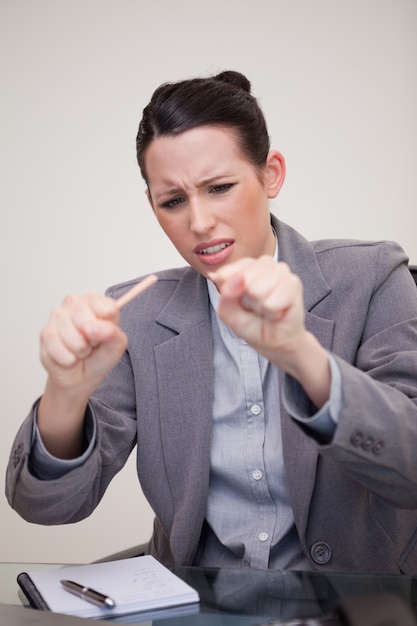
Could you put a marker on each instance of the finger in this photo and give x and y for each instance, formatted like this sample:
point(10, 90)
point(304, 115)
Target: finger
point(252, 304)
point(81, 321)
point(74, 328)
point(98, 331)
point(62, 338)
point(252, 270)
point(54, 351)
point(226, 273)
point(265, 289)
point(98, 306)
point(252, 285)
point(234, 287)
point(288, 293)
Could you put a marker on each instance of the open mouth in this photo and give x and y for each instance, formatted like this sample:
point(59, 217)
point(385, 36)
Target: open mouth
point(214, 249)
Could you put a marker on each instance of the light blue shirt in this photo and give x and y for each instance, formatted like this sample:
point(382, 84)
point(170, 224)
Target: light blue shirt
point(248, 510)
point(249, 519)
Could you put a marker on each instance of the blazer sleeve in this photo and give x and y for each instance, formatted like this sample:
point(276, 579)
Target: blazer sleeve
point(74, 495)
point(375, 439)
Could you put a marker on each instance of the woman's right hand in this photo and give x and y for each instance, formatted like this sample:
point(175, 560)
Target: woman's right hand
point(80, 345)
point(82, 342)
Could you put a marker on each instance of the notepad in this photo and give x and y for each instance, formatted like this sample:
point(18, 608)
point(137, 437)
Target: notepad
point(140, 584)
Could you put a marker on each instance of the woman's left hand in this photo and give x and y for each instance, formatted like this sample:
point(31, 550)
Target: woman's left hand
point(262, 302)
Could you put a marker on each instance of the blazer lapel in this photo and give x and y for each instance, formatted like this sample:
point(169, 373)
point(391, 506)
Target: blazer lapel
point(301, 453)
point(185, 383)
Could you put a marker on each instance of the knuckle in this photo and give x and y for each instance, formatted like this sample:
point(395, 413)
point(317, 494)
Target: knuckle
point(47, 333)
point(69, 299)
point(298, 284)
point(284, 266)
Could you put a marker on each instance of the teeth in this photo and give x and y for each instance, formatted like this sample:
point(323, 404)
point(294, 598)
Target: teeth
point(214, 249)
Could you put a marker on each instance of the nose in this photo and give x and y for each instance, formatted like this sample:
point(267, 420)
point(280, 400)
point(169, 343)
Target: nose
point(202, 219)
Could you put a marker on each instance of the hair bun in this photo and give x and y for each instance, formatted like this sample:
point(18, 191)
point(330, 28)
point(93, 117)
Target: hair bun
point(234, 78)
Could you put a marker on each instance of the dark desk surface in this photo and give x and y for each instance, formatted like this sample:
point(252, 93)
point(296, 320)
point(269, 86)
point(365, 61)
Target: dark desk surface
point(250, 597)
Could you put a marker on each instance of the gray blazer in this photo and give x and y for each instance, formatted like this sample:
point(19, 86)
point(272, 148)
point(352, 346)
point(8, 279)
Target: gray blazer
point(354, 499)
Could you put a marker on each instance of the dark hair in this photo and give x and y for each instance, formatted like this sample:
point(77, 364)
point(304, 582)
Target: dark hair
point(222, 100)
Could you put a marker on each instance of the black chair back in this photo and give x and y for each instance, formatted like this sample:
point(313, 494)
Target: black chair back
point(413, 270)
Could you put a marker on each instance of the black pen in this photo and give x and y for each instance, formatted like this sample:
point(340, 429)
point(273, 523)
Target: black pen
point(90, 595)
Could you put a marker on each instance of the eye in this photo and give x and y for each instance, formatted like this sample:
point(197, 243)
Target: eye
point(171, 204)
point(221, 188)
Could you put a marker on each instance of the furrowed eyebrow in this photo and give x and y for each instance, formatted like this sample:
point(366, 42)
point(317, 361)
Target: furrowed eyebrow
point(213, 179)
point(170, 192)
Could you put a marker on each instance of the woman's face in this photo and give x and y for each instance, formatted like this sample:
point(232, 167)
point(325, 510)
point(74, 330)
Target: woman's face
point(209, 199)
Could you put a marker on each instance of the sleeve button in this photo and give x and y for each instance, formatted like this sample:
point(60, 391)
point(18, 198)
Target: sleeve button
point(378, 447)
point(368, 443)
point(17, 455)
point(356, 438)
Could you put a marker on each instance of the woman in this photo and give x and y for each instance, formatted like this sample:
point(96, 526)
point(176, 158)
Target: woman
point(270, 387)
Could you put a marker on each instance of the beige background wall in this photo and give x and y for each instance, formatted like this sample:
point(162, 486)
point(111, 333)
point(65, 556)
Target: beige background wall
point(337, 81)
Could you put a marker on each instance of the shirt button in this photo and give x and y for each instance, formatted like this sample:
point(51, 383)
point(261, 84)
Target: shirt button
point(257, 474)
point(263, 536)
point(255, 409)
